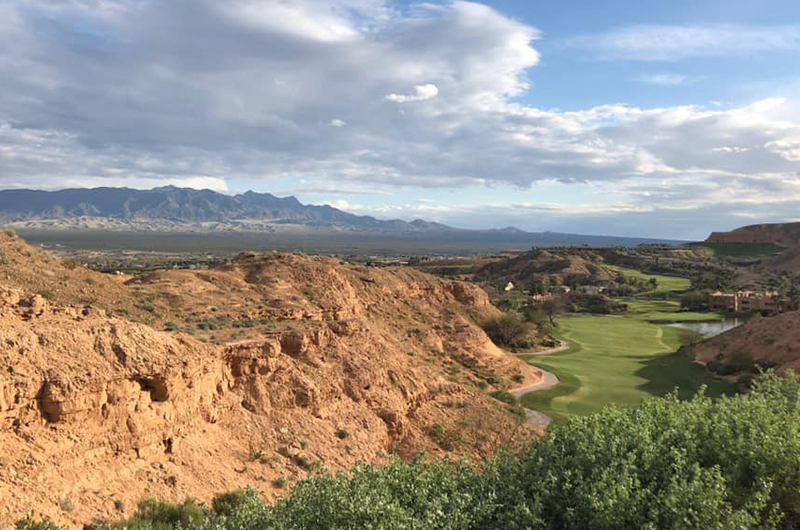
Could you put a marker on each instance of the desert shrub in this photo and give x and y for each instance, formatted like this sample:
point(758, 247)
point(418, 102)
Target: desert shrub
point(506, 330)
point(171, 326)
point(518, 378)
point(342, 434)
point(746, 380)
point(504, 396)
point(31, 524)
point(152, 514)
point(213, 323)
point(235, 501)
point(47, 294)
point(447, 439)
point(713, 365)
point(70, 263)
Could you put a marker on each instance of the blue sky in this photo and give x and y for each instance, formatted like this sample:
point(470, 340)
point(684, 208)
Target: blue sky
point(628, 118)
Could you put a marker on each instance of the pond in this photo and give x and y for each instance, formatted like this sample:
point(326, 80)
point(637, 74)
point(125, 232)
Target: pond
point(708, 328)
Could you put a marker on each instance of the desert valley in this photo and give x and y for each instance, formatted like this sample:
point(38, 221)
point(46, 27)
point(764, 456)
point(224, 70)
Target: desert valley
point(399, 265)
point(187, 379)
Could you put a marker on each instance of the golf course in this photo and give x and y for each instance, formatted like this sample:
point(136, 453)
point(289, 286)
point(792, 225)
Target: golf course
point(623, 359)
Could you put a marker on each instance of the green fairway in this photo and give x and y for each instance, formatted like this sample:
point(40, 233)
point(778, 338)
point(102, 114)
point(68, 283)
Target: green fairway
point(739, 250)
point(661, 310)
point(623, 359)
point(666, 284)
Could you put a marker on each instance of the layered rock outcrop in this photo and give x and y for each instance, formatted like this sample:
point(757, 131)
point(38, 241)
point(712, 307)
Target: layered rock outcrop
point(350, 363)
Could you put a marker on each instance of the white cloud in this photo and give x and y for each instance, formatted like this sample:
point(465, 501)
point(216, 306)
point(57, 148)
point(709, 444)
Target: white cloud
point(666, 79)
point(146, 93)
point(341, 204)
point(664, 42)
point(421, 93)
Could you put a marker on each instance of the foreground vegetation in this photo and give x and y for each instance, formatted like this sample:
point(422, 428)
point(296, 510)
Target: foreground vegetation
point(703, 464)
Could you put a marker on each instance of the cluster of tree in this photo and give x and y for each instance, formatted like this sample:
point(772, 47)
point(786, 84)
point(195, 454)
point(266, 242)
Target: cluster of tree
point(624, 286)
point(713, 280)
point(694, 300)
point(541, 313)
point(699, 464)
point(594, 303)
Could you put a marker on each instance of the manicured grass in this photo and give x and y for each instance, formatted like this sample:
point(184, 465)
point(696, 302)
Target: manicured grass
point(623, 359)
point(616, 359)
point(659, 310)
point(665, 283)
point(739, 250)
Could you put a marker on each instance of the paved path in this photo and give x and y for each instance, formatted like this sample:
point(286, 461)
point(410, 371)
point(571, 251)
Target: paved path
point(562, 346)
point(549, 380)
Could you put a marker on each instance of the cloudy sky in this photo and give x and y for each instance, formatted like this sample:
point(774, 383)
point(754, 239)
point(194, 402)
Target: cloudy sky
point(623, 117)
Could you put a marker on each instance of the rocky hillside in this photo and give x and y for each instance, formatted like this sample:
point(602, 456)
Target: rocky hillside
point(553, 267)
point(275, 362)
point(784, 234)
point(760, 342)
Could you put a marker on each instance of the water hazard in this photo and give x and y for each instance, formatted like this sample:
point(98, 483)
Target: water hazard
point(708, 328)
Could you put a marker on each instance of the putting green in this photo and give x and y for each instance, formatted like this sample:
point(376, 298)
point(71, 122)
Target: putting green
point(622, 359)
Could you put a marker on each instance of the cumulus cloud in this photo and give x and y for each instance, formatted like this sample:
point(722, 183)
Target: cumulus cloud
point(672, 42)
point(195, 92)
point(421, 93)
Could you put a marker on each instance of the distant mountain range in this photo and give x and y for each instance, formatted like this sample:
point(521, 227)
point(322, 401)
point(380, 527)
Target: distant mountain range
point(170, 209)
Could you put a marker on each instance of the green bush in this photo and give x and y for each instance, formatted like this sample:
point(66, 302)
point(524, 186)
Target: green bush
point(70, 263)
point(701, 464)
point(447, 439)
point(30, 524)
point(235, 501)
point(153, 514)
point(504, 396)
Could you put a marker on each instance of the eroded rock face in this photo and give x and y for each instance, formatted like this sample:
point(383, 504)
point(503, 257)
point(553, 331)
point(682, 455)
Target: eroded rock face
point(95, 408)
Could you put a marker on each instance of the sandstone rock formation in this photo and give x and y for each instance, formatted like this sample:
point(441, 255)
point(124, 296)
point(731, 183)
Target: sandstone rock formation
point(331, 362)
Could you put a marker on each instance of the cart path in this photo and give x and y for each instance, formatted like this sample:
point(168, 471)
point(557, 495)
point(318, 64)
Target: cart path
point(549, 380)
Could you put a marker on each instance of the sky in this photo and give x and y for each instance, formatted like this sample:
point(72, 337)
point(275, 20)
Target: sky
point(662, 119)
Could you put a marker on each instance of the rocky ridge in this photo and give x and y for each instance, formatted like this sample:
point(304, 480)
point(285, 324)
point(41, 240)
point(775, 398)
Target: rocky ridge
point(98, 411)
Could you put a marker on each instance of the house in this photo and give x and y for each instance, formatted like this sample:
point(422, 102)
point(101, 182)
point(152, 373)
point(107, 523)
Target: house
point(590, 289)
point(750, 302)
point(719, 301)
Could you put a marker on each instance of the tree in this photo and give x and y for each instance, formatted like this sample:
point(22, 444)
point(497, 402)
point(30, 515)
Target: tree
point(694, 301)
point(552, 307)
point(507, 330)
